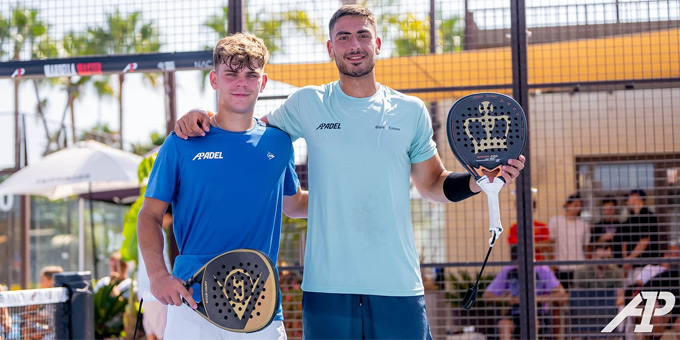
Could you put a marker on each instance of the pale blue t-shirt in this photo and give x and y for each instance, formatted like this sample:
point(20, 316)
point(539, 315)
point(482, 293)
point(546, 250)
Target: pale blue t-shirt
point(360, 236)
point(226, 191)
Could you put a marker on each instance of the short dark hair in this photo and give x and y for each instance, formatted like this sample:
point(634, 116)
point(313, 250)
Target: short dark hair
point(604, 245)
point(351, 10)
point(609, 199)
point(572, 198)
point(638, 192)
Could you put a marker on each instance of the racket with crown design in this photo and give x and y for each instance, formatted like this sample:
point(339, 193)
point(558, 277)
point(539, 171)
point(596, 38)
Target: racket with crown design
point(485, 131)
point(239, 290)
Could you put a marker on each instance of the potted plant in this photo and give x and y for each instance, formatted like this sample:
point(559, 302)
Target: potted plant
point(109, 306)
point(483, 315)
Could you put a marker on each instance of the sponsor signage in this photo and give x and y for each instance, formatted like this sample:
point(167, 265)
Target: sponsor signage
point(88, 66)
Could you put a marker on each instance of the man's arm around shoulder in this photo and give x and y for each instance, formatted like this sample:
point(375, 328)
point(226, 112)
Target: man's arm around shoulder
point(193, 124)
point(295, 206)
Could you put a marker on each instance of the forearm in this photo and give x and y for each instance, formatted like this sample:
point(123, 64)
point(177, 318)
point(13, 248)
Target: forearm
point(558, 294)
point(620, 297)
point(296, 206)
point(503, 298)
point(436, 184)
point(449, 187)
point(151, 243)
point(6, 319)
point(639, 248)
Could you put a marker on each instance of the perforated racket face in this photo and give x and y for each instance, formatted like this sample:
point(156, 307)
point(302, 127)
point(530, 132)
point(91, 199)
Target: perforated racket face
point(240, 291)
point(485, 130)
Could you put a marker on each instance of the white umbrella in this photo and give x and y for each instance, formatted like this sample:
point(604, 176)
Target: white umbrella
point(86, 167)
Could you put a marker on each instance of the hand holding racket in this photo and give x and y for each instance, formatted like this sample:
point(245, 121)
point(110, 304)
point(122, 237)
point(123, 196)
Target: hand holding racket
point(485, 131)
point(239, 291)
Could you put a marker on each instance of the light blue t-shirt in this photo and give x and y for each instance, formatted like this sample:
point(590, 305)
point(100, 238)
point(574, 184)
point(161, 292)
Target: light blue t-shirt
point(360, 236)
point(226, 192)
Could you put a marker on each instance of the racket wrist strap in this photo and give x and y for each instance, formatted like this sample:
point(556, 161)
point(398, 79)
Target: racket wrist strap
point(457, 186)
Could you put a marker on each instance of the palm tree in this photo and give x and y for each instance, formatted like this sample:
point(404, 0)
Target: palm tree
point(101, 133)
point(126, 35)
point(4, 35)
point(451, 34)
point(266, 26)
point(73, 44)
point(413, 35)
point(29, 34)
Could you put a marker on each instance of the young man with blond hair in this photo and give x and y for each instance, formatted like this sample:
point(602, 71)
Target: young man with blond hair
point(227, 191)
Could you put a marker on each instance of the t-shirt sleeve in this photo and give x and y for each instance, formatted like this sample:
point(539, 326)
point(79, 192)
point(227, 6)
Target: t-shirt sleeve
point(164, 178)
point(422, 147)
point(547, 281)
point(291, 183)
point(287, 116)
point(499, 285)
point(552, 228)
point(580, 277)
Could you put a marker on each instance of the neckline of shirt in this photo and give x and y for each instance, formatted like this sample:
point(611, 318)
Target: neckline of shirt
point(257, 123)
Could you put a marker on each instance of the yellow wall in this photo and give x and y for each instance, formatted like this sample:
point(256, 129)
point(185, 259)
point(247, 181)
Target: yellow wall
point(634, 56)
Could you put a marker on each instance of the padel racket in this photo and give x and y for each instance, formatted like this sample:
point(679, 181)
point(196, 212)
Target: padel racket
point(485, 130)
point(239, 290)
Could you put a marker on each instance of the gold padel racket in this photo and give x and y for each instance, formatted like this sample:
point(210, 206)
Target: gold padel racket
point(239, 290)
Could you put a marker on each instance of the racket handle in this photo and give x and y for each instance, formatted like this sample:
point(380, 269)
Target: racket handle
point(491, 189)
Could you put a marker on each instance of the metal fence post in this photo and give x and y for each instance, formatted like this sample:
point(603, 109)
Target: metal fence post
point(75, 318)
point(525, 224)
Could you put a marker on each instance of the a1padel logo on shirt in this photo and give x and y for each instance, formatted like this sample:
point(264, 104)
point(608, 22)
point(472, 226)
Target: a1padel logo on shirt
point(208, 155)
point(328, 126)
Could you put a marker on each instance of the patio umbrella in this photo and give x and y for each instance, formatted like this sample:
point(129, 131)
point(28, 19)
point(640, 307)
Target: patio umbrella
point(86, 167)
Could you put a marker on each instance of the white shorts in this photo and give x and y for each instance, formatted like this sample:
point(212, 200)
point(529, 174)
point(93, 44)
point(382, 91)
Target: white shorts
point(183, 323)
point(155, 314)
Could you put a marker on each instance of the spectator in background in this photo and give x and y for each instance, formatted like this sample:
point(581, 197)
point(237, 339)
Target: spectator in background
point(640, 233)
point(669, 281)
point(569, 235)
point(657, 277)
point(5, 318)
point(117, 275)
point(47, 276)
point(542, 246)
point(38, 321)
point(608, 229)
point(505, 288)
point(599, 275)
